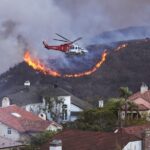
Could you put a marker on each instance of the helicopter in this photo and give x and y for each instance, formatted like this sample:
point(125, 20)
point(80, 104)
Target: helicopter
point(69, 47)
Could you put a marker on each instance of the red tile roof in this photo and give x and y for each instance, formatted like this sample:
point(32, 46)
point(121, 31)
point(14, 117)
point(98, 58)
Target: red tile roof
point(89, 140)
point(142, 107)
point(22, 120)
point(145, 96)
point(141, 99)
point(136, 130)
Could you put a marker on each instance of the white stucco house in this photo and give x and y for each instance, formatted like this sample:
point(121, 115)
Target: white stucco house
point(68, 110)
point(8, 144)
point(133, 145)
point(18, 124)
point(32, 98)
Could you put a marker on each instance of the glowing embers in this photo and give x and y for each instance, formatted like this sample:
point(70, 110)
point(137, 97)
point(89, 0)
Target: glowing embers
point(121, 47)
point(38, 65)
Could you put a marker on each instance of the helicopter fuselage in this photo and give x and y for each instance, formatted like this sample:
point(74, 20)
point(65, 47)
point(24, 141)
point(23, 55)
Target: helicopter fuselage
point(67, 48)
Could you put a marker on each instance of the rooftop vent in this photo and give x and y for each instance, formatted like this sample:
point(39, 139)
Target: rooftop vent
point(5, 102)
point(42, 116)
point(27, 83)
point(116, 131)
point(100, 103)
point(16, 114)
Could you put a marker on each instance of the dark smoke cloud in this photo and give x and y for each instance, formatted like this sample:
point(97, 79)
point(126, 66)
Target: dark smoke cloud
point(25, 24)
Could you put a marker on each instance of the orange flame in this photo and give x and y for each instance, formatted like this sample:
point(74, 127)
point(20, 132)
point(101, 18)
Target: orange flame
point(121, 46)
point(38, 65)
point(90, 71)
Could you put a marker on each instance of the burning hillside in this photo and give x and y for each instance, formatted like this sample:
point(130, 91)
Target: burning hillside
point(126, 66)
point(38, 65)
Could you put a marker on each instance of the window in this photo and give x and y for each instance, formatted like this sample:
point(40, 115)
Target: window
point(9, 130)
point(64, 112)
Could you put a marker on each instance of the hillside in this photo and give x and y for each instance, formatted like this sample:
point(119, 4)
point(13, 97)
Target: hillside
point(130, 33)
point(127, 67)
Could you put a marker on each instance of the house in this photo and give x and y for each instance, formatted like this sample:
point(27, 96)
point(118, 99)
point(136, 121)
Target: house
point(18, 124)
point(32, 98)
point(8, 144)
point(90, 140)
point(142, 132)
point(129, 138)
point(72, 105)
point(142, 100)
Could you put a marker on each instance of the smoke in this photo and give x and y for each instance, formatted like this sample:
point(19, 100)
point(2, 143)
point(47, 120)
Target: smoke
point(25, 24)
point(101, 15)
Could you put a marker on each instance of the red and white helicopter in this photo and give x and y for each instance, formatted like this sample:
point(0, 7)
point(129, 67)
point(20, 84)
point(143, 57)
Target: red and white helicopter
point(68, 47)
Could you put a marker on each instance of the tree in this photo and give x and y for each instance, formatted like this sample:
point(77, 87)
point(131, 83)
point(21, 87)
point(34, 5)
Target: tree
point(53, 105)
point(98, 119)
point(38, 140)
point(115, 105)
point(125, 93)
point(106, 118)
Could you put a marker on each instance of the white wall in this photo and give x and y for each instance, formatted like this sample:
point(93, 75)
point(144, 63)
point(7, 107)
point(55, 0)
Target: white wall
point(38, 108)
point(3, 132)
point(67, 101)
point(135, 145)
point(75, 108)
point(55, 148)
point(73, 118)
point(53, 128)
point(34, 108)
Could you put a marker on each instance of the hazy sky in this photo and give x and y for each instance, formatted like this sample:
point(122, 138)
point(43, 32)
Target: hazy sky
point(24, 24)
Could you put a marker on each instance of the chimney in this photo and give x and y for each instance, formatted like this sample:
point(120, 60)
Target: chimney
point(42, 116)
point(146, 139)
point(100, 103)
point(27, 83)
point(5, 102)
point(56, 145)
point(144, 88)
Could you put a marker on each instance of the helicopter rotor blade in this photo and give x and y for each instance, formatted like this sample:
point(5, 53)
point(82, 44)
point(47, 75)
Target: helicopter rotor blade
point(76, 40)
point(63, 37)
point(60, 40)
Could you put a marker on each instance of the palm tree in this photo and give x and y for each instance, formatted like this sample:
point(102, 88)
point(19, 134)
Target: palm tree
point(125, 93)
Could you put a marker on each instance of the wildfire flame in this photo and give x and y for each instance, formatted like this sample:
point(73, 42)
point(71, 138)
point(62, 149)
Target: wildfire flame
point(90, 71)
point(121, 47)
point(38, 65)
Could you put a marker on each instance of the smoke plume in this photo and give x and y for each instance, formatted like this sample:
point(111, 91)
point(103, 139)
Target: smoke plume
point(25, 24)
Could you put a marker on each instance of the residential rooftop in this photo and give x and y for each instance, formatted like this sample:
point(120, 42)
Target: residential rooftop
point(90, 140)
point(22, 120)
point(21, 95)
